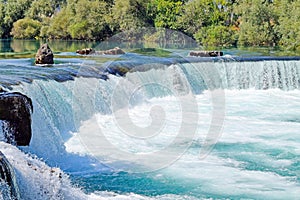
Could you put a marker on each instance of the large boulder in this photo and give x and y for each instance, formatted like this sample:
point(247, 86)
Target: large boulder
point(206, 53)
point(44, 55)
point(8, 184)
point(15, 111)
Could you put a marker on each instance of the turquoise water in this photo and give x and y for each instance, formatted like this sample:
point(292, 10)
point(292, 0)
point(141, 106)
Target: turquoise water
point(172, 128)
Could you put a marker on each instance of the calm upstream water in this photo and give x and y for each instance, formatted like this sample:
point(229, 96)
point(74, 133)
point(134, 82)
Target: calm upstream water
point(175, 127)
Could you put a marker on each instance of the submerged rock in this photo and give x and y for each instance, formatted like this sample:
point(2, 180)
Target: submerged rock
point(86, 51)
point(206, 53)
point(114, 51)
point(8, 184)
point(15, 111)
point(44, 55)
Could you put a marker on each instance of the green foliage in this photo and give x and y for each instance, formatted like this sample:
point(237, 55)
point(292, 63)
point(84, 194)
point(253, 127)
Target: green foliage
point(258, 23)
point(2, 15)
point(289, 28)
point(58, 28)
point(211, 23)
point(208, 22)
point(90, 20)
point(218, 35)
point(14, 10)
point(165, 12)
point(41, 9)
point(26, 29)
point(130, 15)
point(80, 19)
point(80, 30)
point(194, 16)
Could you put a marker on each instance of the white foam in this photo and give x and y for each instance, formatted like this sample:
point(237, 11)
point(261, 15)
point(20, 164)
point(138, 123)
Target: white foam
point(253, 117)
point(36, 180)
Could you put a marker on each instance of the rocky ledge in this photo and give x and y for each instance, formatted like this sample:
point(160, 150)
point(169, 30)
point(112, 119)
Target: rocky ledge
point(88, 51)
point(206, 53)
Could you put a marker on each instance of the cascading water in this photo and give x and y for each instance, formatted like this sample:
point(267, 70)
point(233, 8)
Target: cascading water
point(65, 112)
point(261, 75)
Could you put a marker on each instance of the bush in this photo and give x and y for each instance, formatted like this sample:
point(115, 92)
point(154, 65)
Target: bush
point(289, 28)
point(215, 36)
point(258, 23)
point(26, 29)
point(58, 27)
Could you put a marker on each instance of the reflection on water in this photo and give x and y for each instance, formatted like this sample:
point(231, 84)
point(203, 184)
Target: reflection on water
point(31, 46)
point(27, 48)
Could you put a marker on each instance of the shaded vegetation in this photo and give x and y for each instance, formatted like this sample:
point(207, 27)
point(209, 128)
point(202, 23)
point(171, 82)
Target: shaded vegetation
point(210, 22)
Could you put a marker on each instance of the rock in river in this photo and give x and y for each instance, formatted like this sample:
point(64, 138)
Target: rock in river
point(114, 51)
point(206, 53)
point(15, 111)
point(44, 55)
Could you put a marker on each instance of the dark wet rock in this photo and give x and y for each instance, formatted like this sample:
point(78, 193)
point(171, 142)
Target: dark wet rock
point(117, 70)
point(15, 111)
point(206, 53)
point(44, 55)
point(88, 51)
point(2, 90)
point(8, 184)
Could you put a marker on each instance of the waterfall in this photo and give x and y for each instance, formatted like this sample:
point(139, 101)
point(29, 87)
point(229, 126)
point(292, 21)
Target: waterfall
point(60, 107)
point(284, 75)
point(63, 105)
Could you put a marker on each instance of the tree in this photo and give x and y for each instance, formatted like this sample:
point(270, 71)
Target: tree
point(209, 22)
point(41, 9)
point(58, 28)
point(194, 16)
point(258, 23)
point(14, 10)
point(2, 15)
point(289, 28)
point(80, 19)
point(130, 15)
point(89, 20)
point(215, 35)
point(26, 29)
point(166, 12)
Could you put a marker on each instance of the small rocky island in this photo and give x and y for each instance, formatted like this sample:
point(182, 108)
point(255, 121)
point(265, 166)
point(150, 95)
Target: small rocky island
point(44, 55)
point(88, 51)
point(206, 53)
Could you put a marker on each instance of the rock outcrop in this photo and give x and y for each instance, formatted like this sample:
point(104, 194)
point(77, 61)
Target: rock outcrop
point(206, 53)
point(88, 51)
point(8, 185)
point(15, 111)
point(44, 55)
point(114, 51)
point(85, 51)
